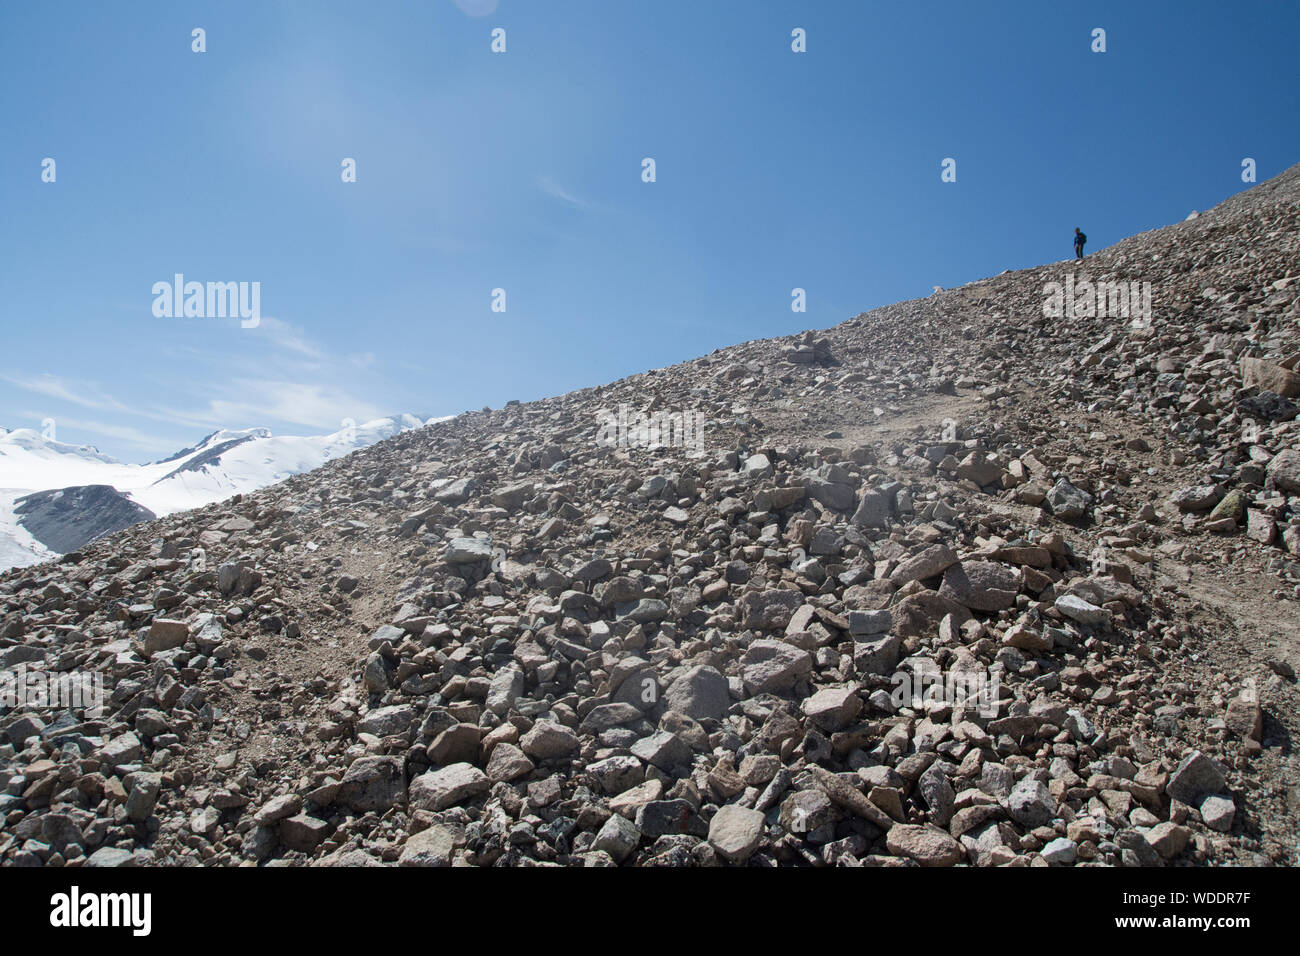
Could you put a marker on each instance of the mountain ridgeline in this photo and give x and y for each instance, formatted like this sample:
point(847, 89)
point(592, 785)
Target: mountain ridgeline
point(51, 474)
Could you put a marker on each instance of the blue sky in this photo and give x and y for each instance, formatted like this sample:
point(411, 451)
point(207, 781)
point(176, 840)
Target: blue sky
point(522, 171)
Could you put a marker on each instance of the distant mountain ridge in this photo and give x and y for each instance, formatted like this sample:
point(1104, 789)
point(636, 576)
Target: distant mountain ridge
point(213, 439)
point(55, 497)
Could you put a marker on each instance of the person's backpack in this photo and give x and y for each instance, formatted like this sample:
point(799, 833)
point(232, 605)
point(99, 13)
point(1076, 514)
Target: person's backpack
point(1080, 239)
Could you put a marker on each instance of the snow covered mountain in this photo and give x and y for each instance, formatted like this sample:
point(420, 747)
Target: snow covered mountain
point(102, 495)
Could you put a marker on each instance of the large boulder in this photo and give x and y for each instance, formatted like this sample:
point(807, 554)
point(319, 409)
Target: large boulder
point(918, 615)
point(773, 666)
point(978, 468)
point(448, 786)
point(1068, 502)
point(874, 509)
point(372, 783)
point(701, 692)
point(1269, 377)
point(548, 740)
point(468, 550)
point(1195, 778)
point(1030, 803)
point(164, 634)
point(769, 610)
point(928, 846)
point(981, 585)
point(930, 562)
point(736, 832)
point(1284, 469)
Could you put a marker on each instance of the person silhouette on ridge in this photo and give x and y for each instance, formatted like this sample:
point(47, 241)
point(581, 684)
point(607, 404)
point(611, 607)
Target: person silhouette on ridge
point(1079, 240)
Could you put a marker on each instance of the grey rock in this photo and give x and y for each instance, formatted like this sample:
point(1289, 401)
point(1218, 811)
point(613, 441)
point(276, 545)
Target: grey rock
point(1195, 777)
point(937, 792)
point(928, 846)
point(372, 783)
point(1218, 812)
point(771, 666)
point(663, 750)
point(1030, 803)
point(770, 609)
point(111, 856)
point(387, 721)
point(736, 832)
point(447, 786)
point(468, 551)
point(1061, 851)
point(933, 561)
point(618, 837)
point(547, 740)
point(701, 692)
point(431, 847)
point(981, 585)
point(143, 795)
point(1068, 502)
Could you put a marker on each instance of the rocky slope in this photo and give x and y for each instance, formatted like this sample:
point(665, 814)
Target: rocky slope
point(499, 641)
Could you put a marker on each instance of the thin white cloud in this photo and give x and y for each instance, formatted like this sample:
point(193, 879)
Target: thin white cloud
point(123, 433)
point(314, 405)
point(288, 337)
point(476, 8)
point(278, 377)
point(89, 396)
point(556, 191)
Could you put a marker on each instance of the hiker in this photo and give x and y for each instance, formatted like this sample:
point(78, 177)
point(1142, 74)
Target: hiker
point(1079, 240)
